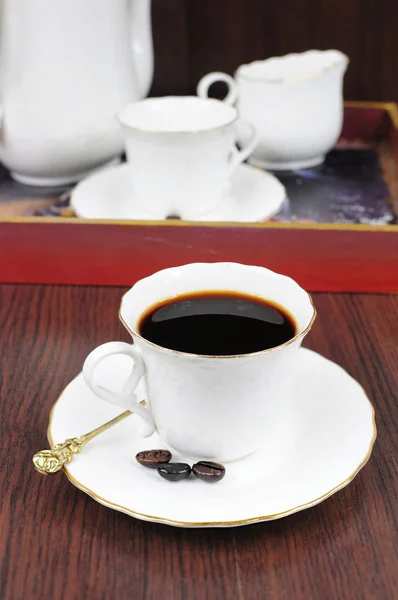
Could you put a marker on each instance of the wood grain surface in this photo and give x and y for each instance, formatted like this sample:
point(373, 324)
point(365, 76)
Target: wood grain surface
point(194, 37)
point(58, 543)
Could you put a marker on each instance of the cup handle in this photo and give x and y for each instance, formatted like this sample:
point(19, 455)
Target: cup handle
point(239, 156)
point(126, 398)
point(208, 80)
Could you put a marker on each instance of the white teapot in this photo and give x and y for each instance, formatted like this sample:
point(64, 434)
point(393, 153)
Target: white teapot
point(67, 67)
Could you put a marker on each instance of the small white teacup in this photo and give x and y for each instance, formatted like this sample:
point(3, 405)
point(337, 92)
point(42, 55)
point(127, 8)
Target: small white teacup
point(295, 102)
point(183, 151)
point(216, 407)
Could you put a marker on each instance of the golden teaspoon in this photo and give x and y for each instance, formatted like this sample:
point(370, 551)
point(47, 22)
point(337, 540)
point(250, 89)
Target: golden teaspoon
point(48, 462)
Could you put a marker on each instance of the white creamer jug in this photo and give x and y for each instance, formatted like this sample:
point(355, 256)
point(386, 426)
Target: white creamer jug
point(66, 69)
point(295, 102)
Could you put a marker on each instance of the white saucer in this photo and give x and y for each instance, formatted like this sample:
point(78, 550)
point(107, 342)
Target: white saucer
point(310, 453)
point(254, 195)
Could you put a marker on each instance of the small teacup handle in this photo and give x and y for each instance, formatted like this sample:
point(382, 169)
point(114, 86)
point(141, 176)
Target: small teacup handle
point(126, 398)
point(208, 80)
point(238, 156)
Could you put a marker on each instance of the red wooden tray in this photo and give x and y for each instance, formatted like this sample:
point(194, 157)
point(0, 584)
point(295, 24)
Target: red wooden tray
point(321, 257)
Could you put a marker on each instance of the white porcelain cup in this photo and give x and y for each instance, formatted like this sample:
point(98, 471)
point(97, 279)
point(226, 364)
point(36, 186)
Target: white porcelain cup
point(295, 102)
point(214, 407)
point(183, 151)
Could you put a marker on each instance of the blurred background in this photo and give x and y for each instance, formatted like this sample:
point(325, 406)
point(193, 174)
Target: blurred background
point(193, 37)
point(358, 182)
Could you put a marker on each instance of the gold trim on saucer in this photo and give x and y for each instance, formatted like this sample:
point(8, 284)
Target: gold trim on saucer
point(193, 524)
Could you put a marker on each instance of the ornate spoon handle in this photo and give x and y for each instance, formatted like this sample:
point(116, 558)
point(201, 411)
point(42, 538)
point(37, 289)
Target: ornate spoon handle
point(51, 461)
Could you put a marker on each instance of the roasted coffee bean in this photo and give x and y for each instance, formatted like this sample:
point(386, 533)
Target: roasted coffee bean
point(208, 471)
point(153, 458)
point(174, 471)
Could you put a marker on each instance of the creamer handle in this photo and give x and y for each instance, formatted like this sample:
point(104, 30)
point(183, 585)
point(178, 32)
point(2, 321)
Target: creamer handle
point(208, 80)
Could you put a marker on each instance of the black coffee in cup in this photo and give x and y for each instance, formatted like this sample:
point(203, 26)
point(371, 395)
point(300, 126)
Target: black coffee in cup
point(217, 323)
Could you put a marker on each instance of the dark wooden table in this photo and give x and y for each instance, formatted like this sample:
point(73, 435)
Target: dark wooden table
point(57, 543)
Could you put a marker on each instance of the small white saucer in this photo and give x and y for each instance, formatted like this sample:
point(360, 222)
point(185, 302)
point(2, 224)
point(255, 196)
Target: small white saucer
point(254, 195)
point(312, 451)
